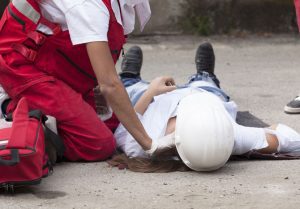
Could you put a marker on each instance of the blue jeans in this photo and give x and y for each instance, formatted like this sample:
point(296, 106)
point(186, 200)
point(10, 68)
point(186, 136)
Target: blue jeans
point(136, 86)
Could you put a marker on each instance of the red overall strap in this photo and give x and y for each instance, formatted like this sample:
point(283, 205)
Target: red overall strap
point(26, 52)
point(116, 37)
point(30, 9)
point(20, 125)
point(37, 37)
point(27, 13)
point(56, 29)
point(297, 5)
point(111, 12)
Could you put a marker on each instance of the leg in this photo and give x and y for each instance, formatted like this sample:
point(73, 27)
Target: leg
point(247, 139)
point(131, 74)
point(205, 77)
point(85, 136)
point(131, 66)
point(288, 139)
point(276, 139)
point(205, 63)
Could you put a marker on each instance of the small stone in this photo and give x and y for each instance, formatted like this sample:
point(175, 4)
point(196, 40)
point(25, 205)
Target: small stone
point(286, 178)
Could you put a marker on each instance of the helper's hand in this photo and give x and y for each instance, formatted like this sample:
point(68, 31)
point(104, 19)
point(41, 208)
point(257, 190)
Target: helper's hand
point(162, 145)
point(161, 85)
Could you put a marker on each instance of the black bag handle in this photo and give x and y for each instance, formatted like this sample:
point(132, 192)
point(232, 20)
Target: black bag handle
point(15, 158)
point(37, 114)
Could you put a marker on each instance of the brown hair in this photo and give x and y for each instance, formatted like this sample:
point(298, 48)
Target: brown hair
point(145, 165)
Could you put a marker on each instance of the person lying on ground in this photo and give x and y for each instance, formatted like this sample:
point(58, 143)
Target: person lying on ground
point(209, 128)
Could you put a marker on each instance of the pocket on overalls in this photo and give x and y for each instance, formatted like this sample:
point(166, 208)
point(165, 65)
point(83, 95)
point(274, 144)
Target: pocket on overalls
point(14, 59)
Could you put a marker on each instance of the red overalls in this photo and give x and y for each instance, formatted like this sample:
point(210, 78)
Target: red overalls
point(56, 77)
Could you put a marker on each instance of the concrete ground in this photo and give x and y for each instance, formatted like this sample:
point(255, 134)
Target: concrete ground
point(260, 74)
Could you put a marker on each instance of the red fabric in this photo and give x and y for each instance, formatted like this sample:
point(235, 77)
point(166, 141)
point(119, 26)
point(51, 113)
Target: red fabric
point(30, 143)
point(297, 5)
point(85, 136)
point(59, 82)
point(112, 123)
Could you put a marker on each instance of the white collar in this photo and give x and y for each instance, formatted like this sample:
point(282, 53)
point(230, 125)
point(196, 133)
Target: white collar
point(129, 9)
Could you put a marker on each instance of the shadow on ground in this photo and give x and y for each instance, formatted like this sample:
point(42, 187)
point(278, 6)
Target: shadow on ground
point(245, 118)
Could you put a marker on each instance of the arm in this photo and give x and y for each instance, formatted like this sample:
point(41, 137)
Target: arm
point(158, 86)
point(143, 103)
point(114, 92)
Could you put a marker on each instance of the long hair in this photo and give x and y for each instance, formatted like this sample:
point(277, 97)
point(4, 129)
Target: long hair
point(145, 165)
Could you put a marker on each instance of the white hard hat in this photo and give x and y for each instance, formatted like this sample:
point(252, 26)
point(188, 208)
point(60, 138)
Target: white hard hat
point(204, 132)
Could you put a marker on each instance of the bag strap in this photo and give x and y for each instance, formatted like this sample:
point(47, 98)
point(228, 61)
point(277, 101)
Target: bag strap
point(20, 125)
point(15, 158)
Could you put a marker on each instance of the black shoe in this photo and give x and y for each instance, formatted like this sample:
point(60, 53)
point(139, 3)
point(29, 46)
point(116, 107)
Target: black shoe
point(205, 58)
point(132, 63)
point(293, 107)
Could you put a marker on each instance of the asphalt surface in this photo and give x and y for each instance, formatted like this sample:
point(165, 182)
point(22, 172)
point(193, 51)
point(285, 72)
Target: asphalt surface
point(260, 73)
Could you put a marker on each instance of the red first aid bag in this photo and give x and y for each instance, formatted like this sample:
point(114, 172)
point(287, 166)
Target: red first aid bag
point(23, 160)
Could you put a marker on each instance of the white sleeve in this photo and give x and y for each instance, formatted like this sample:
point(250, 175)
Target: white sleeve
point(88, 22)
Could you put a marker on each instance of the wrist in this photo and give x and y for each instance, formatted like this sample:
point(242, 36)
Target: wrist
point(151, 93)
point(152, 148)
point(147, 144)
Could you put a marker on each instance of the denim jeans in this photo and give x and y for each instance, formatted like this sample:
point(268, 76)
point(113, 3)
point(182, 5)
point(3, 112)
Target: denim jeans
point(136, 86)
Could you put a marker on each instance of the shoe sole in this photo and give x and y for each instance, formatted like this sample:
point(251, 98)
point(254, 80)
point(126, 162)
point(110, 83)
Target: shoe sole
point(290, 110)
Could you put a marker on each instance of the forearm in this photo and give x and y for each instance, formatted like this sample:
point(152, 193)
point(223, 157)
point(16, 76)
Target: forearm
point(143, 103)
point(118, 100)
point(114, 92)
point(159, 85)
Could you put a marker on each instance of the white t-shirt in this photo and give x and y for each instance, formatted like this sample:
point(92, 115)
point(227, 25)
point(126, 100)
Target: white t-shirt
point(156, 118)
point(86, 20)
